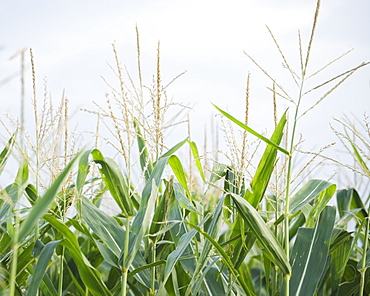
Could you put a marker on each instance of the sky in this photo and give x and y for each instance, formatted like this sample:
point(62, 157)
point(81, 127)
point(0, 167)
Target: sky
point(72, 46)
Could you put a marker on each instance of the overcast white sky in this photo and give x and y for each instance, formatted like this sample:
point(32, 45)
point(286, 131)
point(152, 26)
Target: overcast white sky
point(72, 41)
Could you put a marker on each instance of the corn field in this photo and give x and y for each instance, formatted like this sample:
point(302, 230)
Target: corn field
point(148, 219)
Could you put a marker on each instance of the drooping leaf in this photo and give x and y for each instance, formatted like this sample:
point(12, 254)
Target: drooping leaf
point(307, 193)
point(264, 235)
point(349, 199)
point(116, 183)
point(218, 172)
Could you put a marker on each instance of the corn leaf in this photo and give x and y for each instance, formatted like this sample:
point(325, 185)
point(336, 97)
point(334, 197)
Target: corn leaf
point(226, 259)
point(175, 256)
point(104, 226)
point(83, 170)
point(194, 151)
point(179, 172)
point(265, 167)
point(41, 206)
point(182, 199)
point(264, 235)
point(116, 183)
point(309, 254)
point(161, 212)
point(89, 275)
point(174, 148)
point(5, 153)
point(147, 208)
point(319, 203)
point(145, 163)
point(248, 129)
point(308, 192)
point(41, 266)
point(213, 230)
point(338, 261)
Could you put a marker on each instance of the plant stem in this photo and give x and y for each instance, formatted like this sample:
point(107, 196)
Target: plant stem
point(13, 270)
point(287, 192)
point(152, 292)
point(363, 267)
point(125, 253)
point(60, 284)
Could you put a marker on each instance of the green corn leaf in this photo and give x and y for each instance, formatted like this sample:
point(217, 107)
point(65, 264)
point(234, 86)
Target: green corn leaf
point(107, 254)
point(182, 199)
point(248, 129)
point(156, 175)
point(213, 280)
point(338, 261)
point(213, 230)
point(145, 222)
point(41, 206)
point(179, 172)
point(89, 275)
point(5, 153)
point(175, 256)
point(104, 226)
point(264, 235)
point(41, 266)
point(116, 183)
point(194, 151)
point(266, 166)
point(31, 194)
point(174, 148)
point(226, 259)
point(218, 171)
point(83, 170)
point(144, 267)
point(309, 254)
point(10, 196)
point(145, 163)
point(349, 199)
point(308, 192)
point(319, 203)
point(161, 211)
